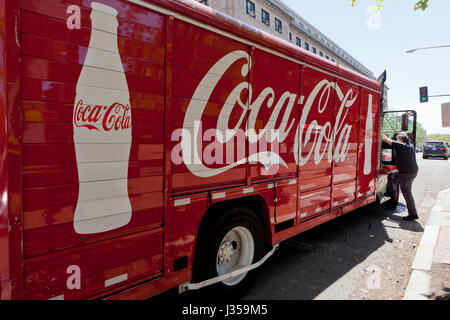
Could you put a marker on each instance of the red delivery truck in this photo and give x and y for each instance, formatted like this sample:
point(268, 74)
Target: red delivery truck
point(153, 144)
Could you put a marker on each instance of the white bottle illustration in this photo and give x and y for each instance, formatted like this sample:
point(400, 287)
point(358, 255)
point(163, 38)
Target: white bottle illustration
point(102, 130)
point(368, 139)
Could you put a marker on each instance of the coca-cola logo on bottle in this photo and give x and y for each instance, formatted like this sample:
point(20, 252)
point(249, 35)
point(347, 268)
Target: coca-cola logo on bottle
point(102, 118)
point(114, 117)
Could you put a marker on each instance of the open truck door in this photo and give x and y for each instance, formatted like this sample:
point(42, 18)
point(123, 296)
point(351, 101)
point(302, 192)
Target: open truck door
point(393, 122)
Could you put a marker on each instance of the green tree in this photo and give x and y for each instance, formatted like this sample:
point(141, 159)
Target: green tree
point(421, 135)
point(420, 4)
point(392, 124)
point(439, 137)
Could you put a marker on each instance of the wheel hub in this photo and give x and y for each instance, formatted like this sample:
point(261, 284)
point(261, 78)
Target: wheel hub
point(226, 251)
point(236, 250)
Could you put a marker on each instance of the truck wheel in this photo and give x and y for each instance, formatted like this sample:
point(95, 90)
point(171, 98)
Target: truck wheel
point(234, 241)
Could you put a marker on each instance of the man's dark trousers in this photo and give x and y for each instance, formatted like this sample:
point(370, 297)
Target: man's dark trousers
point(405, 180)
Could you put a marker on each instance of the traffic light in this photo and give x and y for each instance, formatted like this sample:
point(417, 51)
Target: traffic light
point(423, 94)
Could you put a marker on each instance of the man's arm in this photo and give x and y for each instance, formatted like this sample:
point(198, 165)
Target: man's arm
point(386, 139)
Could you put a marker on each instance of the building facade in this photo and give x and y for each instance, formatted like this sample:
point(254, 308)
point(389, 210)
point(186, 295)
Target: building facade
point(278, 19)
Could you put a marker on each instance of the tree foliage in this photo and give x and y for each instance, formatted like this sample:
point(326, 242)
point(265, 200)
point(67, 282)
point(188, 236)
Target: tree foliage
point(392, 124)
point(420, 4)
point(439, 137)
point(421, 135)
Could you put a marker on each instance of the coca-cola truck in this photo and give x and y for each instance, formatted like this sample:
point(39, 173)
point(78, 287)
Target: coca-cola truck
point(153, 144)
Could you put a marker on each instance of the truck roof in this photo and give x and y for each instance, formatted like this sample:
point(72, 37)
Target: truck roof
point(245, 33)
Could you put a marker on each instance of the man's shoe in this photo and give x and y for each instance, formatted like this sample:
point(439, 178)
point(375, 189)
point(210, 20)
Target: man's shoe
point(411, 218)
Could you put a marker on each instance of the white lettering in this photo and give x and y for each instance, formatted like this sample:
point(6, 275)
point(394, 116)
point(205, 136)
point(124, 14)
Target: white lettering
point(322, 137)
point(74, 280)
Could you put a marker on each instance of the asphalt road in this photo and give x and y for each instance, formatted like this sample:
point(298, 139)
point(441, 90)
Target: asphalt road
point(366, 254)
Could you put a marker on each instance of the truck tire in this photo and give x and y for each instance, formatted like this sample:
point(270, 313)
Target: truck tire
point(236, 239)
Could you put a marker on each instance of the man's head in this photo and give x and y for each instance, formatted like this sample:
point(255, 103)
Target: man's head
point(403, 137)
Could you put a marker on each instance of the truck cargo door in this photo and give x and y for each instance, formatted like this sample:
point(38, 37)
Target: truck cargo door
point(93, 104)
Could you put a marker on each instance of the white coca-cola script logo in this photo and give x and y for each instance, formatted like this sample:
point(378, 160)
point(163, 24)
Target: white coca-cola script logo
point(307, 129)
point(115, 117)
point(340, 133)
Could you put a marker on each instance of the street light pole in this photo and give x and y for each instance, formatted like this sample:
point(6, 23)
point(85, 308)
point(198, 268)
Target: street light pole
point(414, 50)
point(439, 95)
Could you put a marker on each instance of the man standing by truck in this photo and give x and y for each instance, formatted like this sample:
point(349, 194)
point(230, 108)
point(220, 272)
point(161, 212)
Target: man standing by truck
point(407, 169)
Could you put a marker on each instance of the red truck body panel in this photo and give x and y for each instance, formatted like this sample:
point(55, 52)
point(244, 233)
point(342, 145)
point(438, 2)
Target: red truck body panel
point(113, 141)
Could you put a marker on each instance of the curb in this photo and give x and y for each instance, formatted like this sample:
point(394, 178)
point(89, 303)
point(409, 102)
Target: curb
point(419, 282)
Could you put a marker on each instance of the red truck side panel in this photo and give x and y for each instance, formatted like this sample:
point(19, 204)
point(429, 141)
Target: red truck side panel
point(286, 200)
point(316, 143)
point(345, 153)
point(11, 219)
point(53, 58)
point(368, 133)
point(186, 215)
point(276, 83)
point(4, 234)
point(195, 52)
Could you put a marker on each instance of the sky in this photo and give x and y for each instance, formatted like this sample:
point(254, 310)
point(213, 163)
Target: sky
point(379, 40)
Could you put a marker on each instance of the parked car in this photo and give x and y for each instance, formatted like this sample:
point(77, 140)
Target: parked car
point(436, 149)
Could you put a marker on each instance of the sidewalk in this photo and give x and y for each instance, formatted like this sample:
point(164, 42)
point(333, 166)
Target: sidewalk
point(430, 277)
